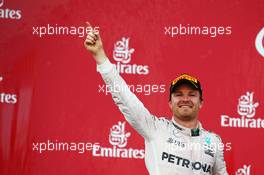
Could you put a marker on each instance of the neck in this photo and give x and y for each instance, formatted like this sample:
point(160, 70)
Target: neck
point(192, 124)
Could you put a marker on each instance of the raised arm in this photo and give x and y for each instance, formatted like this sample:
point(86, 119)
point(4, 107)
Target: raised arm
point(131, 107)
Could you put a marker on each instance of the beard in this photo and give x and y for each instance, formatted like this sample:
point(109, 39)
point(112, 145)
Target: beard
point(185, 117)
point(185, 113)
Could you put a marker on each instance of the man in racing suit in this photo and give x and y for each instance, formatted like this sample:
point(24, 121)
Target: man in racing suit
point(179, 146)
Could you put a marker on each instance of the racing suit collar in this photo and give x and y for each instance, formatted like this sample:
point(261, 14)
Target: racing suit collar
point(185, 130)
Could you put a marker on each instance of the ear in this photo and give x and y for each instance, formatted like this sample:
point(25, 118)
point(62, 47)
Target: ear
point(201, 104)
point(170, 105)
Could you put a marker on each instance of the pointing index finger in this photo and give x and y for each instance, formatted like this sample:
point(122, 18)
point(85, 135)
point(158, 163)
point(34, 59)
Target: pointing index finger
point(88, 24)
point(92, 30)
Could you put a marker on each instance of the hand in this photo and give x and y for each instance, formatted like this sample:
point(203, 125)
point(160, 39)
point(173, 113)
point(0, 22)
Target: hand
point(93, 44)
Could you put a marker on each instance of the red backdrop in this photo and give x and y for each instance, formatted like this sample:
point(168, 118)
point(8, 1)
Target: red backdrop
point(50, 92)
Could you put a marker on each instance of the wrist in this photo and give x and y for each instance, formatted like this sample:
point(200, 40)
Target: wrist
point(100, 57)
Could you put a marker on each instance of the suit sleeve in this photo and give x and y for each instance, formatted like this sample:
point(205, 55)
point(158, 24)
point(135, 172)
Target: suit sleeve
point(131, 107)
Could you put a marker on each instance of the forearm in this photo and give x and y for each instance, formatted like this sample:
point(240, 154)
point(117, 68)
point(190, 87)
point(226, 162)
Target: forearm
point(100, 57)
point(131, 107)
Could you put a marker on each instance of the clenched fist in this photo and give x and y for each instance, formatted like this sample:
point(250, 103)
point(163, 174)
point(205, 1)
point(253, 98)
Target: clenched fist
point(93, 43)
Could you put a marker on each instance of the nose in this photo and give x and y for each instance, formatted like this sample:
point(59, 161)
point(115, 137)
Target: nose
point(185, 98)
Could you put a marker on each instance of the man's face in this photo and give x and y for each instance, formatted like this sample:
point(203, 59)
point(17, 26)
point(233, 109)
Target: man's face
point(185, 102)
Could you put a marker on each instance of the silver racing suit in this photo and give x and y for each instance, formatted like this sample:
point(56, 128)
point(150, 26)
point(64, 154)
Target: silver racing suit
point(170, 149)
